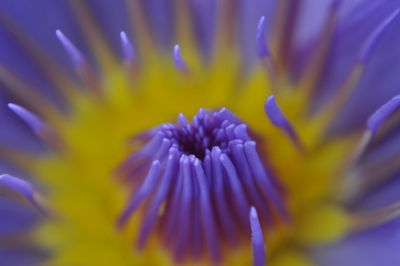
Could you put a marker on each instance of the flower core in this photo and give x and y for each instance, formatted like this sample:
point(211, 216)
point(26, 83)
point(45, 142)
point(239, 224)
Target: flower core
point(207, 174)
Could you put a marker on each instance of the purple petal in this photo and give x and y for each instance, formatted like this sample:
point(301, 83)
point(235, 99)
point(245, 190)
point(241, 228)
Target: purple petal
point(22, 255)
point(380, 79)
point(16, 217)
point(370, 43)
point(374, 247)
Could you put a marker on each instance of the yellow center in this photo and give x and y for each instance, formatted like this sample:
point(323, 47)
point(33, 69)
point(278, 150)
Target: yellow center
point(87, 198)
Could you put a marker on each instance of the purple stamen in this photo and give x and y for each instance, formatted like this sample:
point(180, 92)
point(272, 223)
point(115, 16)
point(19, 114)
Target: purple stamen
point(185, 206)
point(235, 185)
point(23, 188)
point(182, 120)
point(278, 119)
point(257, 239)
point(73, 52)
point(172, 209)
point(206, 213)
point(262, 178)
point(33, 121)
point(178, 59)
point(147, 187)
point(220, 197)
point(163, 189)
point(239, 156)
point(383, 112)
point(127, 48)
point(208, 175)
point(375, 36)
point(261, 43)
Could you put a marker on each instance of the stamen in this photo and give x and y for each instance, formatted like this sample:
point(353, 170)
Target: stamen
point(225, 25)
point(54, 72)
point(178, 59)
point(379, 116)
point(220, 197)
point(25, 91)
point(277, 118)
point(198, 170)
point(80, 64)
point(263, 179)
point(147, 187)
point(264, 53)
point(315, 68)
point(183, 216)
point(161, 194)
point(73, 52)
point(371, 177)
point(206, 211)
point(127, 48)
point(368, 219)
point(145, 42)
point(34, 122)
point(37, 125)
point(25, 189)
point(257, 239)
point(262, 48)
point(235, 185)
point(375, 36)
point(288, 14)
point(374, 122)
point(92, 32)
point(360, 148)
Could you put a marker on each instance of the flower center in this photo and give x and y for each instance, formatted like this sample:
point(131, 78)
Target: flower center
point(198, 182)
point(207, 130)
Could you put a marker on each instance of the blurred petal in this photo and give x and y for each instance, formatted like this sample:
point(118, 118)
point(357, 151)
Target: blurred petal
point(381, 73)
point(20, 256)
point(375, 247)
point(16, 217)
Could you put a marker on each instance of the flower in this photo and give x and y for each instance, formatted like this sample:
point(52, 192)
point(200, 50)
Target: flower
point(289, 159)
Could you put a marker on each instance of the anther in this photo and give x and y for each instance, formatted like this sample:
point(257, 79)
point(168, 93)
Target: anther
point(37, 125)
point(25, 189)
point(74, 54)
point(129, 53)
point(278, 119)
point(81, 67)
point(257, 239)
point(178, 59)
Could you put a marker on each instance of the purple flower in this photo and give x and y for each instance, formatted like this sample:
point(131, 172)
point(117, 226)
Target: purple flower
point(291, 157)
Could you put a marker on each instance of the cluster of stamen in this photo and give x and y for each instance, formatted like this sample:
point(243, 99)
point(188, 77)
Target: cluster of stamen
point(198, 182)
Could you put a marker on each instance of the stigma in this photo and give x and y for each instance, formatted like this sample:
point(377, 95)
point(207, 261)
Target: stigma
point(199, 182)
